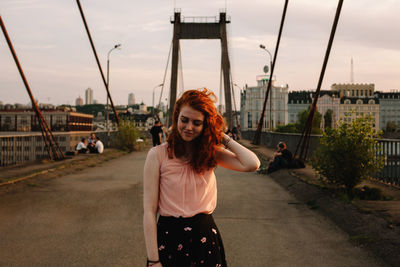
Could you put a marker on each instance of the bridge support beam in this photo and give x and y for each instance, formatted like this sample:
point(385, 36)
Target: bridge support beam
point(201, 30)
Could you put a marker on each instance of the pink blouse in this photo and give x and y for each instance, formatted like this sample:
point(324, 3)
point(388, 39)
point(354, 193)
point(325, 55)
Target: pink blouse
point(184, 192)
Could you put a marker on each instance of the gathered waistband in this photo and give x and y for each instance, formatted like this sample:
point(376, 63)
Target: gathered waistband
point(197, 217)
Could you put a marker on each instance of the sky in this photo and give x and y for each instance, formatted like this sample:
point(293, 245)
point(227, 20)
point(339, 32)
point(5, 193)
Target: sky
point(53, 48)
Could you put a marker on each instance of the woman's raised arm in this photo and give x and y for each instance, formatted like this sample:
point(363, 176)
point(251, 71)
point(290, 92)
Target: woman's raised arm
point(238, 157)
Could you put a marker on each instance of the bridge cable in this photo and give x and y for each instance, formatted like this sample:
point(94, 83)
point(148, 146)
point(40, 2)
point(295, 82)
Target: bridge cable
point(304, 141)
point(52, 147)
point(165, 75)
point(98, 62)
point(220, 90)
point(257, 135)
point(181, 69)
point(234, 100)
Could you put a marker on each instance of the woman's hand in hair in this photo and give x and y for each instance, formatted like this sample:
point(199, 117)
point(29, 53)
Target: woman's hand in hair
point(236, 157)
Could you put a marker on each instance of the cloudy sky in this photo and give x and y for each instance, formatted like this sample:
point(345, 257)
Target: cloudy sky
point(53, 47)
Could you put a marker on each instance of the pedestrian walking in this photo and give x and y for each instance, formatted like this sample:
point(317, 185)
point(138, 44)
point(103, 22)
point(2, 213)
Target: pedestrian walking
point(180, 185)
point(156, 133)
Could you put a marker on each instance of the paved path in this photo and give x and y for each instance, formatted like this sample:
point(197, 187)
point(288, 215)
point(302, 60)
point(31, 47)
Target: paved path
point(94, 218)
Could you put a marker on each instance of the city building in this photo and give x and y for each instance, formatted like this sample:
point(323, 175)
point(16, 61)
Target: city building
point(354, 89)
point(25, 120)
point(353, 107)
point(252, 101)
point(143, 107)
point(143, 121)
point(131, 99)
point(297, 102)
point(357, 99)
point(89, 96)
point(328, 100)
point(79, 101)
point(389, 108)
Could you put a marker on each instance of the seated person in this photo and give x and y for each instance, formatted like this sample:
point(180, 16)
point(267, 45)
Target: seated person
point(92, 143)
point(99, 147)
point(81, 146)
point(282, 158)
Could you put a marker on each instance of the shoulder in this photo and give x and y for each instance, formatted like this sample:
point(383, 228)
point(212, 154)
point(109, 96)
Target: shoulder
point(158, 152)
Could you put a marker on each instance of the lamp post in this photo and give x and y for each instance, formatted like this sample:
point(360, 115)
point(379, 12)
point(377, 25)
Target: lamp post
point(270, 99)
point(234, 102)
point(154, 89)
point(108, 81)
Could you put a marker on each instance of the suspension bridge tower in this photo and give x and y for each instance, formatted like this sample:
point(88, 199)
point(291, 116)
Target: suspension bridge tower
point(201, 28)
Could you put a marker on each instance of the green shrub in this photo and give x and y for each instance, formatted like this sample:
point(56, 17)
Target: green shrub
point(288, 128)
point(348, 154)
point(127, 136)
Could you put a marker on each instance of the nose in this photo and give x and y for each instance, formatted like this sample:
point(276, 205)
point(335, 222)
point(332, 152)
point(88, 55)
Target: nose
point(189, 126)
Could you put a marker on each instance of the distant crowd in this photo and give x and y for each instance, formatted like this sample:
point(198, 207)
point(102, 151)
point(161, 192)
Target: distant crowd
point(90, 145)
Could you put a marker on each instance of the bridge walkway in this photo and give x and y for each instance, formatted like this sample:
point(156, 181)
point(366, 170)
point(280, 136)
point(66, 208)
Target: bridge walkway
point(94, 218)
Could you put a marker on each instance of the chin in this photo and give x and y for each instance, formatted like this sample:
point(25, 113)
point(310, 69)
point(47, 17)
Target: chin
point(187, 138)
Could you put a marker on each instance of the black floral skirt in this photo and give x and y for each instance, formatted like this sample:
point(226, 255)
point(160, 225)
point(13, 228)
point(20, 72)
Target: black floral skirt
point(193, 241)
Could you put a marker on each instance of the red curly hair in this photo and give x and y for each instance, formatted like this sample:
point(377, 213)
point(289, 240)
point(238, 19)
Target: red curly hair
point(204, 147)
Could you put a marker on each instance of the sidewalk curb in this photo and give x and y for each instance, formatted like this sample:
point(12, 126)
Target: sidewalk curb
point(23, 177)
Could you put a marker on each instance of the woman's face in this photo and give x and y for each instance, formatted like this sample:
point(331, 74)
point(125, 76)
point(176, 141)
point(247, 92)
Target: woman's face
point(190, 123)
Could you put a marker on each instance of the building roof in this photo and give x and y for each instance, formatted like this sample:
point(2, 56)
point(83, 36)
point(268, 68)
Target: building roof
point(298, 96)
point(387, 95)
point(353, 100)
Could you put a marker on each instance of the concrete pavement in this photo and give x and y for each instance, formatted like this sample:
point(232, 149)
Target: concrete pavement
point(94, 218)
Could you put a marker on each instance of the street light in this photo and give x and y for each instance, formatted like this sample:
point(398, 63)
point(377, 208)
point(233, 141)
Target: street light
point(154, 89)
point(108, 78)
point(234, 102)
point(266, 71)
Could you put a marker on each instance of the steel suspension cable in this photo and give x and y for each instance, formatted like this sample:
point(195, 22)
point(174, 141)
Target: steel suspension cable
point(257, 135)
point(97, 60)
point(304, 141)
point(181, 69)
point(165, 75)
point(52, 147)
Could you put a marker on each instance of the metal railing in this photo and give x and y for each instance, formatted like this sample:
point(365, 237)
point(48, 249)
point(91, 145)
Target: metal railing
point(16, 149)
point(390, 149)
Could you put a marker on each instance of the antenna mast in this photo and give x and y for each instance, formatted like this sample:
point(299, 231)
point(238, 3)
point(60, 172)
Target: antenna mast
point(352, 71)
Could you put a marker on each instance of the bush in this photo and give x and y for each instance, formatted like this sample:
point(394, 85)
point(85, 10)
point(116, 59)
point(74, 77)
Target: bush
point(127, 136)
point(288, 128)
point(298, 127)
point(348, 154)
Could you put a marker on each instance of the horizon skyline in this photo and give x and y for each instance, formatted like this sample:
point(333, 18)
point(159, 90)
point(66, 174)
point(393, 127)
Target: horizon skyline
point(57, 58)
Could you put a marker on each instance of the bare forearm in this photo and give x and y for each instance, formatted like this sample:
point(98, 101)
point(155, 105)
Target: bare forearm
point(246, 157)
point(150, 235)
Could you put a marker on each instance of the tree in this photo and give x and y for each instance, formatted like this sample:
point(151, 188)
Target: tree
point(348, 154)
point(328, 119)
point(127, 135)
point(390, 127)
point(288, 128)
point(298, 127)
point(302, 117)
point(92, 109)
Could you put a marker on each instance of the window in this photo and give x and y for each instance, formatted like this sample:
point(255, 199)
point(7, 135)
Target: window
point(249, 120)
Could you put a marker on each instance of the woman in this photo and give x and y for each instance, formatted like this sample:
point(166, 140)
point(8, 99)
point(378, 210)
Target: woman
point(180, 185)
